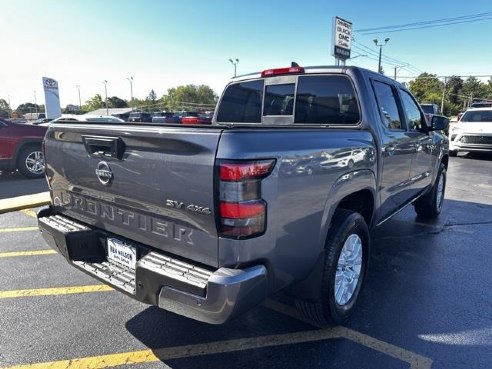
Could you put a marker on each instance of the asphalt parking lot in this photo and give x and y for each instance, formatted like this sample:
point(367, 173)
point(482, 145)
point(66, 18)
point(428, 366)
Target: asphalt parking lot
point(427, 302)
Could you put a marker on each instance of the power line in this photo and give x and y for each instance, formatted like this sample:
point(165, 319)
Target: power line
point(428, 24)
point(387, 59)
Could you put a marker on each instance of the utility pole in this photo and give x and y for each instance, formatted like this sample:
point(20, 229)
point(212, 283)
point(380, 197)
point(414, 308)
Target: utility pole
point(380, 50)
point(443, 92)
point(106, 94)
point(234, 63)
point(80, 101)
point(35, 104)
point(130, 79)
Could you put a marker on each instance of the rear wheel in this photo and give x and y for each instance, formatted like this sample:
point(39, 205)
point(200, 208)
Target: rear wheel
point(430, 205)
point(31, 161)
point(453, 153)
point(345, 264)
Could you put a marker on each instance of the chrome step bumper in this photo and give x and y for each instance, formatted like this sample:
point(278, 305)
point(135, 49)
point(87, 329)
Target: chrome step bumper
point(158, 279)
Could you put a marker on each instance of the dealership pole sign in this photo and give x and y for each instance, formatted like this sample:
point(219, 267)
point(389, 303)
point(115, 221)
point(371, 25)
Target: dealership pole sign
point(52, 98)
point(342, 38)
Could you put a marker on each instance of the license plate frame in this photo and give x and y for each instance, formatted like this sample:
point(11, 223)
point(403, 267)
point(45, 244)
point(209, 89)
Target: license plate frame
point(121, 253)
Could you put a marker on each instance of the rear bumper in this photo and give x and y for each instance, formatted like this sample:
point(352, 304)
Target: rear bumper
point(211, 296)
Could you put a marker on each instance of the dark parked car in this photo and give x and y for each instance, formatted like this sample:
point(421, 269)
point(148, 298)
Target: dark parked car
point(20, 148)
point(165, 117)
point(140, 117)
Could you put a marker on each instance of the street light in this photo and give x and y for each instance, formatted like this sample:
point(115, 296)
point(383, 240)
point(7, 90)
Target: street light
point(106, 94)
point(380, 50)
point(80, 101)
point(234, 63)
point(130, 79)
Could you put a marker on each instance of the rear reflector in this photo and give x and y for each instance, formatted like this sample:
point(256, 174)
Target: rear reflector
point(282, 71)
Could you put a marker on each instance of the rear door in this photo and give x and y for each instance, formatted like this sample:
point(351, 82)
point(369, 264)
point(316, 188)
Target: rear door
point(149, 184)
point(397, 150)
point(7, 142)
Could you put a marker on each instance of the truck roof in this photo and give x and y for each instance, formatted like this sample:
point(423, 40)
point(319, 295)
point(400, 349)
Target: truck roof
point(311, 70)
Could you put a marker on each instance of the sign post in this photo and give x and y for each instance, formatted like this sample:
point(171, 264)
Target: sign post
point(52, 98)
point(342, 40)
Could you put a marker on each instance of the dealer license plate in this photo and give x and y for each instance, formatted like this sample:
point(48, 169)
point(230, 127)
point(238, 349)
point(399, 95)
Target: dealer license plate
point(121, 253)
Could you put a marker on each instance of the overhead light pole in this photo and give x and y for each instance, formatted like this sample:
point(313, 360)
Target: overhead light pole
point(35, 103)
point(234, 63)
point(380, 50)
point(80, 101)
point(130, 79)
point(106, 94)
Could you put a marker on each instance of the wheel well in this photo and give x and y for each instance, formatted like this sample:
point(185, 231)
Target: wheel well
point(361, 202)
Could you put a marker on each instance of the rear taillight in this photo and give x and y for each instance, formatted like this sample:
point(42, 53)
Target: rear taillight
point(242, 211)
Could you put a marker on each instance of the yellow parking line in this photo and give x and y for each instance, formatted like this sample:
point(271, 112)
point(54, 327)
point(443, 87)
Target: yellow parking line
point(21, 229)
point(415, 360)
point(54, 291)
point(29, 212)
point(219, 347)
point(26, 253)
point(168, 353)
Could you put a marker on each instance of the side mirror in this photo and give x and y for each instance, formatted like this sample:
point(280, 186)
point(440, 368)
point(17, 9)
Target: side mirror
point(439, 123)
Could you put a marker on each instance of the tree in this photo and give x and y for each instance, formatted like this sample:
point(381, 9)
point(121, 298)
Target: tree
point(191, 97)
point(93, 103)
point(4, 109)
point(29, 108)
point(427, 88)
point(116, 102)
point(474, 88)
point(454, 85)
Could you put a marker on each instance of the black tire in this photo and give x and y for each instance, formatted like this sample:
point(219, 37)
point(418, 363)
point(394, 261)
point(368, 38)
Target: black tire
point(429, 206)
point(27, 161)
point(325, 310)
point(453, 153)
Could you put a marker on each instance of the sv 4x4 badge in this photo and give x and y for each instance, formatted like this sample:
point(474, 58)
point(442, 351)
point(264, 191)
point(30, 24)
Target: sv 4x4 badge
point(193, 208)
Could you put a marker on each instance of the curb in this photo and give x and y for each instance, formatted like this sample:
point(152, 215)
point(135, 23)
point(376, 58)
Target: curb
point(24, 202)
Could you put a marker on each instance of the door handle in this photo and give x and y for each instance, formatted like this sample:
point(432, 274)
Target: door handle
point(389, 149)
point(104, 147)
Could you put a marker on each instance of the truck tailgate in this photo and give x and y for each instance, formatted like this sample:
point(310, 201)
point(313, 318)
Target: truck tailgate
point(149, 184)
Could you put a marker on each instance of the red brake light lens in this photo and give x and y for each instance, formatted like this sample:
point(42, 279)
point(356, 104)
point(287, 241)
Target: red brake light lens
point(242, 210)
point(282, 71)
point(235, 172)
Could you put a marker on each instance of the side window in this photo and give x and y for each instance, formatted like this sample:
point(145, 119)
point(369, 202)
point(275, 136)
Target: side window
point(414, 116)
point(326, 99)
point(388, 107)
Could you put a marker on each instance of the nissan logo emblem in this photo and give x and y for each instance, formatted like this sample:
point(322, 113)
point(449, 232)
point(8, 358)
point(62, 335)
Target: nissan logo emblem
point(104, 173)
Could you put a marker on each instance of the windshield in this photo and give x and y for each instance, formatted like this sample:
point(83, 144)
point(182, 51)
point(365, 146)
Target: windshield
point(477, 116)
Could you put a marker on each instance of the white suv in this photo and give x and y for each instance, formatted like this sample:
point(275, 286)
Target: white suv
point(473, 132)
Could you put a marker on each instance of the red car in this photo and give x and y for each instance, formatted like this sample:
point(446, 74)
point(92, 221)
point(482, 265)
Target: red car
point(20, 148)
point(195, 118)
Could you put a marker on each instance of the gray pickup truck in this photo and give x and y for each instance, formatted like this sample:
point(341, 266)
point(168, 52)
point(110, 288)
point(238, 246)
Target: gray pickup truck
point(279, 193)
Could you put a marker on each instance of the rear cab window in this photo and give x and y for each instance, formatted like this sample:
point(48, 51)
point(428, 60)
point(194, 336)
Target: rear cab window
point(301, 99)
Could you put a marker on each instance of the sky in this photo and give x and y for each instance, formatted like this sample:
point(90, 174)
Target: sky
point(167, 43)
